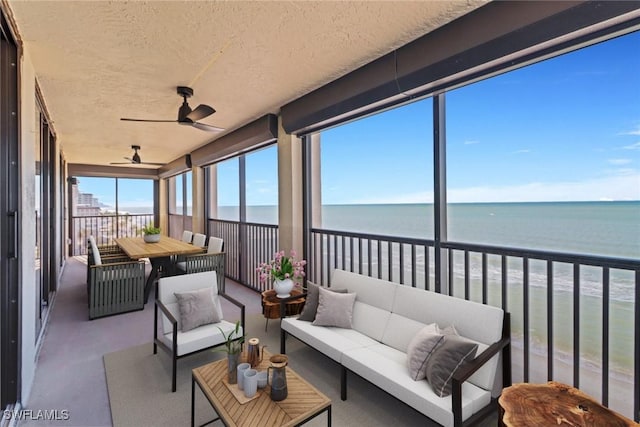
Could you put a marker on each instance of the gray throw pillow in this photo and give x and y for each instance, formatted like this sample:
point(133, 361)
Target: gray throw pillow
point(421, 348)
point(197, 308)
point(335, 309)
point(310, 308)
point(447, 359)
point(449, 330)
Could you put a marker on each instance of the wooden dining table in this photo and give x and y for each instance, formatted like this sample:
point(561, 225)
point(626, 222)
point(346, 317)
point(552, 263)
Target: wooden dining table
point(159, 254)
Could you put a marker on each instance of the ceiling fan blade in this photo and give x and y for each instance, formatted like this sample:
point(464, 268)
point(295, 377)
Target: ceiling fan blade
point(146, 120)
point(200, 112)
point(206, 127)
point(120, 163)
point(152, 163)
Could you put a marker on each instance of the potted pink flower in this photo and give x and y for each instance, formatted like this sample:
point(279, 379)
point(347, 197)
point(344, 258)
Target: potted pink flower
point(284, 271)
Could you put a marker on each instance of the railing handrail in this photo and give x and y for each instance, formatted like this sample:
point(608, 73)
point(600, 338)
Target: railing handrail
point(111, 215)
point(565, 257)
point(396, 239)
point(255, 224)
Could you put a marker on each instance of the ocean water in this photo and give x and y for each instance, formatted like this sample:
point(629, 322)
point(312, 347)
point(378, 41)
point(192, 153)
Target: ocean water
point(589, 228)
point(609, 229)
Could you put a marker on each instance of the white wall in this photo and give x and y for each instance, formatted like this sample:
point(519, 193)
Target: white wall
point(27, 223)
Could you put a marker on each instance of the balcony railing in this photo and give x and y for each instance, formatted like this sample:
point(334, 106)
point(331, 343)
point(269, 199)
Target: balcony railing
point(246, 245)
point(105, 228)
point(575, 318)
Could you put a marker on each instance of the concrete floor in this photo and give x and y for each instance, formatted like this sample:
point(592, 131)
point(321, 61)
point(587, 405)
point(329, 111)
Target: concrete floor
point(70, 375)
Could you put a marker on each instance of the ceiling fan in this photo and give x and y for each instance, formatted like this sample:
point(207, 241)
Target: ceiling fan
point(187, 116)
point(135, 159)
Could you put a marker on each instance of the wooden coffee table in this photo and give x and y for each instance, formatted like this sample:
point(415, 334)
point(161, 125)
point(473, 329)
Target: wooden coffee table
point(303, 401)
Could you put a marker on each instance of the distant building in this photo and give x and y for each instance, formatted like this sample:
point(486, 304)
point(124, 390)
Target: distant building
point(84, 204)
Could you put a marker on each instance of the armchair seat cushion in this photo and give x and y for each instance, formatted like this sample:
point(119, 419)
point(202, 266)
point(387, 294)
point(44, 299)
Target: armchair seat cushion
point(200, 337)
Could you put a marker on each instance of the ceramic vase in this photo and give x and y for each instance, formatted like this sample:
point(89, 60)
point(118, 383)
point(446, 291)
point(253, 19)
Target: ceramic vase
point(283, 287)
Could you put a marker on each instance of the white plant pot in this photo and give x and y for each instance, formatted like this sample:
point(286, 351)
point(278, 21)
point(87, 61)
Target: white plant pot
point(151, 238)
point(283, 287)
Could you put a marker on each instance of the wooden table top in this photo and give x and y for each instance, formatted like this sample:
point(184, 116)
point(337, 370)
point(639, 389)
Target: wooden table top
point(136, 247)
point(554, 403)
point(303, 399)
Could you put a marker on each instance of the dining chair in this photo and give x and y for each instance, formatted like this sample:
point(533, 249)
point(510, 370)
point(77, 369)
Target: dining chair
point(114, 285)
point(187, 236)
point(184, 332)
point(216, 245)
point(212, 260)
point(199, 239)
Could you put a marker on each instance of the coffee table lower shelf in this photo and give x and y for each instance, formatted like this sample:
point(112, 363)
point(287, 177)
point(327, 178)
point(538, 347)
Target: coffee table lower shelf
point(303, 403)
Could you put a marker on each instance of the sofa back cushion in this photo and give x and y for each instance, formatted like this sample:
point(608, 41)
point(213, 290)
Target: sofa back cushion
point(374, 300)
point(481, 323)
point(369, 320)
point(400, 331)
point(375, 292)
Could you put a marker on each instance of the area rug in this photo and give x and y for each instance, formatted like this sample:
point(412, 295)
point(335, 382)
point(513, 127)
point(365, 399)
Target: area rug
point(139, 384)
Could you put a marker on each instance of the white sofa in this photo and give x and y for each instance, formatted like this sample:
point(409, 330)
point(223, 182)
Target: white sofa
point(386, 316)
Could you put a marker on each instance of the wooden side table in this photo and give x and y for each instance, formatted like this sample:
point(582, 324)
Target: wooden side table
point(554, 403)
point(271, 305)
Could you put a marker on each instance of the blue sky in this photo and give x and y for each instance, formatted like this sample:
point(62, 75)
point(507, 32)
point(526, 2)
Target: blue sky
point(565, 129)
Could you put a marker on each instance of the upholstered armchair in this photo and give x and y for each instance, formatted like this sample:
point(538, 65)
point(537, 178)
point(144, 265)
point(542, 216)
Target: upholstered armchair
point(188, 316)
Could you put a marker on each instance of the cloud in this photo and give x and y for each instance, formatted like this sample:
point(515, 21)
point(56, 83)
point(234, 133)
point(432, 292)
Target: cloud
point(526, 150)
point(619, 161)
point(471, 142)
point(635, 146)
point(623, 186)
point(631, 132)
point(619, 187)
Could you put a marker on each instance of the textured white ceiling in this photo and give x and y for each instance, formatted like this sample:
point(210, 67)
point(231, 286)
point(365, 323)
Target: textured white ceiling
point(98, 61)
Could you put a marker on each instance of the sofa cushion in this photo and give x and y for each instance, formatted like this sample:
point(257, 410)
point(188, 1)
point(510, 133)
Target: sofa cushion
point(482, 323)
point(386, 368)
point(447, 359)
point(197, 308)
point(375, 292)
point(310, 308)
point(371, 321)
point(334, 309)
point(332, 342)
point(420, 349)
point(400, 331)
point(478, 322)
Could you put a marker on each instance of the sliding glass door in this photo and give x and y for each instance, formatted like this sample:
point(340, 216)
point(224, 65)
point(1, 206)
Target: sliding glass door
point(9, 216)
